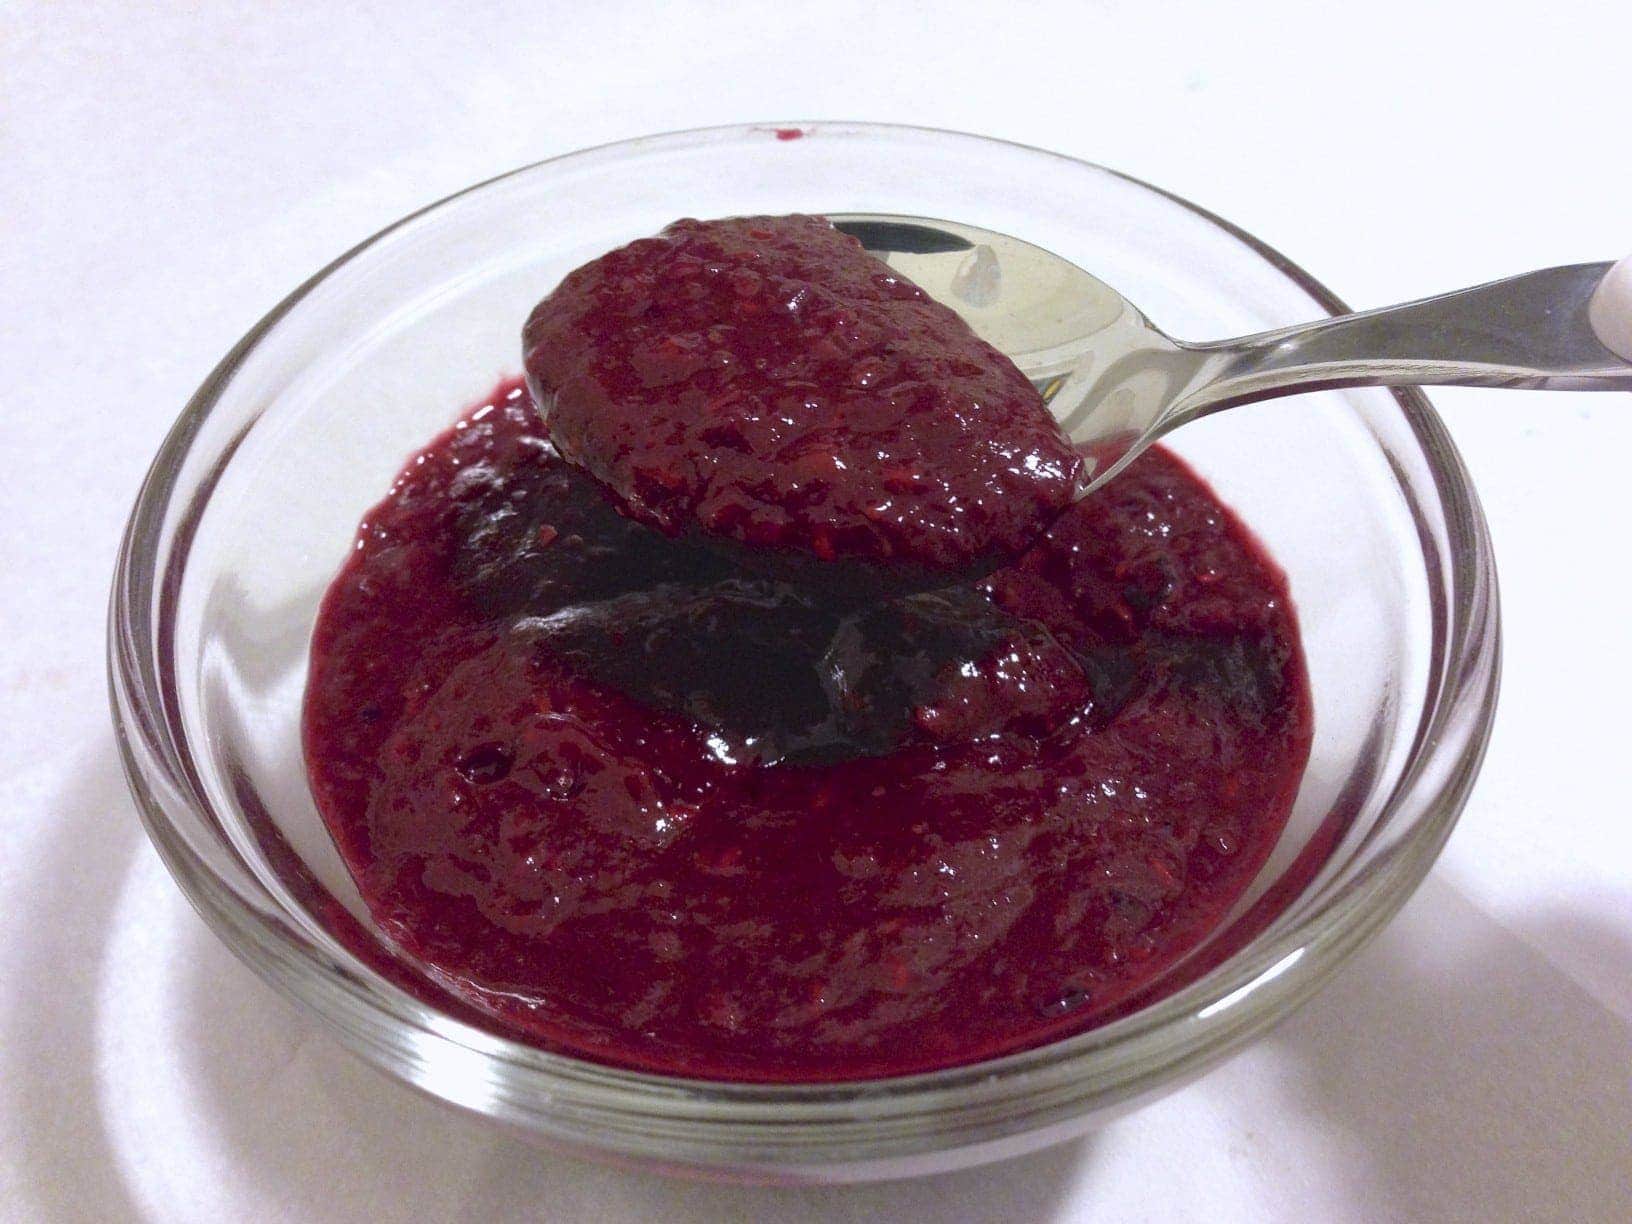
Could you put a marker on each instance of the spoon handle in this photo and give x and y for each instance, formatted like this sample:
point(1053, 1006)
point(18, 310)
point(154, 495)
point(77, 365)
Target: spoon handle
point(1566, 328)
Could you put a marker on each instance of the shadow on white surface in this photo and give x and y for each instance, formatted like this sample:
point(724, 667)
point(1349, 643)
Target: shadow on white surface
point(1451, 1073)
point(1461, 1076)
point(49, 1098)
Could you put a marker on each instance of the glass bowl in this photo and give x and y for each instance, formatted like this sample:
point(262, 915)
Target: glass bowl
point(255, 496)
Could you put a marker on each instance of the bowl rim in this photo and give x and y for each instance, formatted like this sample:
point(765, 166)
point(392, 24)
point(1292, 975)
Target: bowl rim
point(752, 1123)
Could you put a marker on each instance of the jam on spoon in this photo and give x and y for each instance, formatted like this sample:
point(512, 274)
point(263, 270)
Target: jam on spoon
point(766, 385)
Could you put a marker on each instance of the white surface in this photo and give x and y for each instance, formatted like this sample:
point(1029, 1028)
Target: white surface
point(165, 176)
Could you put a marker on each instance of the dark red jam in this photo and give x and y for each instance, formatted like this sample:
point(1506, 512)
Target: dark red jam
point(634, 806)
point(766, 382)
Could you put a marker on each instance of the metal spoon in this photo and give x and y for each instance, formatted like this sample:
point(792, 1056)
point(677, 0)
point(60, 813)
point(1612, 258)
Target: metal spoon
point(1116, 382)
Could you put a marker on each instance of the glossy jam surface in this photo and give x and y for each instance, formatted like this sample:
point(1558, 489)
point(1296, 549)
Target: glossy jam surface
point(636, 807)
point(766, 382)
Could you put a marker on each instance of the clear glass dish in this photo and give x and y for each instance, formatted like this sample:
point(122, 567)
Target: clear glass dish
point(254, 498)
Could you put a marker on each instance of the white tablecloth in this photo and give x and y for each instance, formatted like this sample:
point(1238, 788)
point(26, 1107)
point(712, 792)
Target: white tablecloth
point(166, 176)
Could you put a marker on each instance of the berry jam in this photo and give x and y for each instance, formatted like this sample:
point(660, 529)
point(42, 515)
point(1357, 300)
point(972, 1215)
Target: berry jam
point(765, 382)
point(634, 805)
